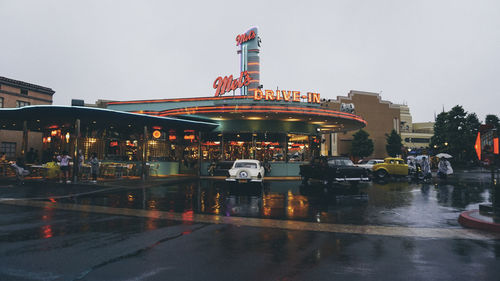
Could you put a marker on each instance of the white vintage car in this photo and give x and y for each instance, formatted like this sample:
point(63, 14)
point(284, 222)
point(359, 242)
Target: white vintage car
point(246, 170)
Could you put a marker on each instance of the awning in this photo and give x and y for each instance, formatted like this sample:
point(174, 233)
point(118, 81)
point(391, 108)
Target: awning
point(46, 117)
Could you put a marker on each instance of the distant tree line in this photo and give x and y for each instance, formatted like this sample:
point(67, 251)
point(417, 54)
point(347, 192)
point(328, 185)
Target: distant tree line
point(455, 133)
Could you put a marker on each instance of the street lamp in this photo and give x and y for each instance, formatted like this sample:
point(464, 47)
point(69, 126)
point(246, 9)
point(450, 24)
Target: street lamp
point(446, 144)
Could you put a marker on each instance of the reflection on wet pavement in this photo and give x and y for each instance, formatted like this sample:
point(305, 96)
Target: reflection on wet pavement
point(376, 206)
point(393, 204)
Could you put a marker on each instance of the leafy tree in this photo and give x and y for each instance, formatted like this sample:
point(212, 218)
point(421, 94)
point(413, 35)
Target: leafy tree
point(394, 144)
point(362, 146)
point(471, 128)
point(493, 120)
point(438, 139)
point(455, 132)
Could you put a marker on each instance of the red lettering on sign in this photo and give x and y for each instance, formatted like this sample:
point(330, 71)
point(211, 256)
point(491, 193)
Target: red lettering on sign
point(227, 84)
point(258, 94)
point(286, 95)
point(293, 96)
point(278, 94)
point(315, 98)
point(269, 95)
point(242, 38)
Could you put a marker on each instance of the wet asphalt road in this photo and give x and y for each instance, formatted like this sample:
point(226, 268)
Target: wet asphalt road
point(116, 232)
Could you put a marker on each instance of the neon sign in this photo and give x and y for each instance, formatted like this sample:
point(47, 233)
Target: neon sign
point(283, 95)
point(242, 38)
point(227, 84)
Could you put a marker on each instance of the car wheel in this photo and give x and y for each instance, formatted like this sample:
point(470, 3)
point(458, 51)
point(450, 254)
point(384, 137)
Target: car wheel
point(382, 174)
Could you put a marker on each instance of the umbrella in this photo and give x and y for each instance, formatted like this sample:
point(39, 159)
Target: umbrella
point(445, 155)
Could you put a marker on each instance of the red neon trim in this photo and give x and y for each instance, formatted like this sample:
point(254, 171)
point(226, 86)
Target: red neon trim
point(238, 107)
point(180, 100)
point(495, 145)
point(267, 111)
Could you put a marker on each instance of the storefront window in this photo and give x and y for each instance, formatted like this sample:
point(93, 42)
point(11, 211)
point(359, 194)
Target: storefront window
point(237, 146)
point(211, 147)
point(270, 147)
point(298, 147)
point(190, 144)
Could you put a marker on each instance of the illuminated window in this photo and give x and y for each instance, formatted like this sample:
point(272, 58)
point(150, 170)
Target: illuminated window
point(20, 103)
point(9, 148)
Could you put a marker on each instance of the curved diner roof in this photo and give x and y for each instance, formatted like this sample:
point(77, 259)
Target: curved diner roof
point(43, 117)
point(243, 114)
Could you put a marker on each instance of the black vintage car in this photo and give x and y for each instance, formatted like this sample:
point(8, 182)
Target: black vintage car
point(220, 168)
point(331, 170)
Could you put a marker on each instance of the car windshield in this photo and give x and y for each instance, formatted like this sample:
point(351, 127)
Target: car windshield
point(341, 162)
point(245, 165)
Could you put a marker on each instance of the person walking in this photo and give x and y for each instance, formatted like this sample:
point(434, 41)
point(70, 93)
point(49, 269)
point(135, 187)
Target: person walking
point(20, 169)
point(426, 168)
point(64, 164)
point(94, 167)
point(444, 168)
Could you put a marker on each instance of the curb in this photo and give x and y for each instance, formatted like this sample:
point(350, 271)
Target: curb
point(466, 220)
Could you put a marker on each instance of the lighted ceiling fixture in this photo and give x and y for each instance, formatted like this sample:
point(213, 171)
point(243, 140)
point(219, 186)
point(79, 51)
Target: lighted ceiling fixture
point(67, 137)
point(156, 134)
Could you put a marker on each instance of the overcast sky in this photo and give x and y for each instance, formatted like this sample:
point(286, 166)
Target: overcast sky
point(427, 54)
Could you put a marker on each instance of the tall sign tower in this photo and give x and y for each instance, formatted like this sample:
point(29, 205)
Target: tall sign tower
point(249, 44)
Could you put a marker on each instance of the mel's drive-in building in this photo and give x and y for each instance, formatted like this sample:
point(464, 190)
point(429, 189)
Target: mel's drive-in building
point(283, 127)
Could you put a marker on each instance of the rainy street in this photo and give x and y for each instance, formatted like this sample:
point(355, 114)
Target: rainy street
point(192, 229)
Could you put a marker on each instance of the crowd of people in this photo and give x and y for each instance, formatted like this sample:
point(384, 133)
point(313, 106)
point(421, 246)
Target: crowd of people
point(58, 167)
point(420, 167)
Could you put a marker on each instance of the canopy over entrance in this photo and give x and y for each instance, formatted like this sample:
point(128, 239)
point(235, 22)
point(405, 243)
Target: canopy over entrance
point(70, 125)
point(45, 117)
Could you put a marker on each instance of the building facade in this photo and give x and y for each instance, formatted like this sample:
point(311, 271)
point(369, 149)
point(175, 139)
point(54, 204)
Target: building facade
point(13, 94)
point(381, 117)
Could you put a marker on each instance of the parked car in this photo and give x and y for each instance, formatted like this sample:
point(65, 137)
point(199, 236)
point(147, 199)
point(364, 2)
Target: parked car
point(390, 167)
point(332, 170)
point(220, 168)
point(368, 164)
point(246, 170)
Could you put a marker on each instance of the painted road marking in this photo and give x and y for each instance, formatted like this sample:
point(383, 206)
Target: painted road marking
point(454, 233)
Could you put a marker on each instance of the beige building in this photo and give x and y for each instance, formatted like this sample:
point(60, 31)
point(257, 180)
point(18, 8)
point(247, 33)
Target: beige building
point(381, 116)
point(15, 93)
point(419, 136)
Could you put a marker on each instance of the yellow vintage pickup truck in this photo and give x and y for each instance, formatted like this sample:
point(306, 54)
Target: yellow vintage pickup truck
point(390, 167)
